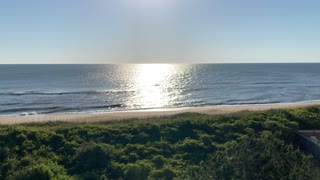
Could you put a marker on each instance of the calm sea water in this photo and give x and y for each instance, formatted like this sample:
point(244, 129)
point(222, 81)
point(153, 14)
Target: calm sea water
point(46, 89)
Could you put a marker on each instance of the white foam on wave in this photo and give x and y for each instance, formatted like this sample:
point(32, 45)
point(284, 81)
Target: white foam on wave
point(28, 113)
point(23, 114)
point(18, 93)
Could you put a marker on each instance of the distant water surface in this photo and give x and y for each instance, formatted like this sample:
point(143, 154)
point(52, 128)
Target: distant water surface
point(46, 89)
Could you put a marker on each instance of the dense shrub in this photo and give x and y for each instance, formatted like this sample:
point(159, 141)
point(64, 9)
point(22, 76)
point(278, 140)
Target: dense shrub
point(246, 145)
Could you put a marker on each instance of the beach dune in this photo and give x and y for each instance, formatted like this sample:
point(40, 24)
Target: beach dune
point(151, 113)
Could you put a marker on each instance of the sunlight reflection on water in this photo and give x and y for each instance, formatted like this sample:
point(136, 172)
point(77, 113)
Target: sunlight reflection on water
point(156, 85)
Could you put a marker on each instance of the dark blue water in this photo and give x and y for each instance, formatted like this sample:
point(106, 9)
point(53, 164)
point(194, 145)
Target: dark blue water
point(45, 89)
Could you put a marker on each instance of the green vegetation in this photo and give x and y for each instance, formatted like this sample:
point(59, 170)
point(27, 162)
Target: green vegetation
point(246, 145)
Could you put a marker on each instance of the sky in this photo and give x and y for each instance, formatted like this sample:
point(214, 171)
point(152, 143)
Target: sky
point(159, 31)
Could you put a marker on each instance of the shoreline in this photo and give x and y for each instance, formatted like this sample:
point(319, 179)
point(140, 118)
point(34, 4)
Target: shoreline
point(151, 113)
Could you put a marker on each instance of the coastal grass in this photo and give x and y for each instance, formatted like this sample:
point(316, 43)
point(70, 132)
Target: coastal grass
point(244, 145)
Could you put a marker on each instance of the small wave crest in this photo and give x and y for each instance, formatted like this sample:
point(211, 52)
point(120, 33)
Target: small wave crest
point(67, 92)
point(55, 109)
point(18, 93)
point(28, 114)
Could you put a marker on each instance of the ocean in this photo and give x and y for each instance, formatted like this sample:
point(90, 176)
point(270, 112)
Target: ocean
point(48, 89)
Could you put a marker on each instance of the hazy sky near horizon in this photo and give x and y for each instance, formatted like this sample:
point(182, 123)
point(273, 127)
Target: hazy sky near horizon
point(159, 31)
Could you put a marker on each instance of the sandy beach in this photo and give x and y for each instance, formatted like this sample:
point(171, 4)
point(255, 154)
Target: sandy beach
point(143, 114)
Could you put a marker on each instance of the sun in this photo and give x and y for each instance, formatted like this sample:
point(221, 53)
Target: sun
point(154, 3)
point(151, 4)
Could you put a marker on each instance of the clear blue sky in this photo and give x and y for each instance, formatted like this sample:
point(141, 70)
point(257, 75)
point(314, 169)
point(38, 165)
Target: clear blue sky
point(159, 31)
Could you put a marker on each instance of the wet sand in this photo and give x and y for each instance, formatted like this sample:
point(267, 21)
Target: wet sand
point(143, 114)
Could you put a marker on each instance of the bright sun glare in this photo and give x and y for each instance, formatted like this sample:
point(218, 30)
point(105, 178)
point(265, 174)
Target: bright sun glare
point(154, 2)
point(147, 4)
